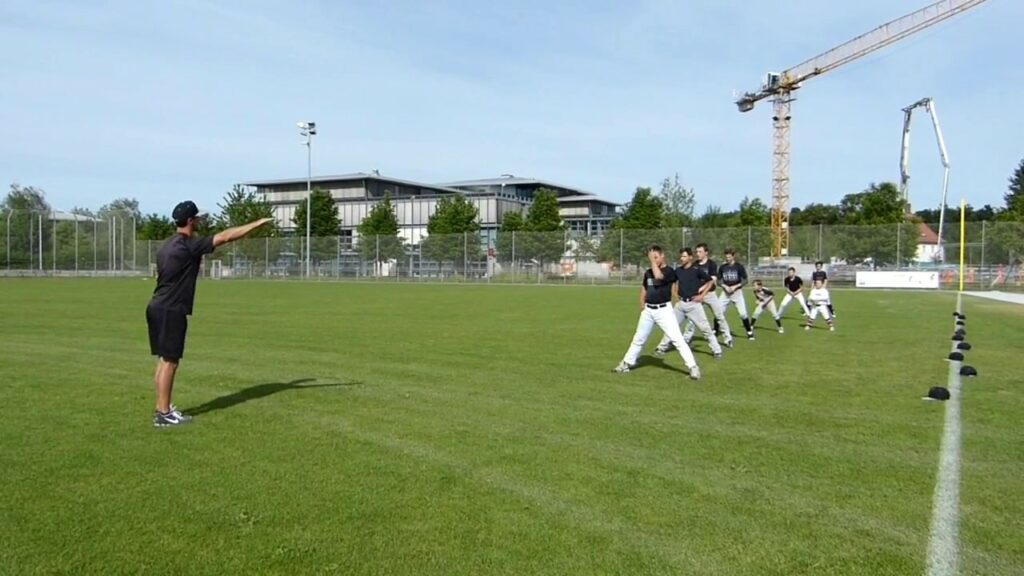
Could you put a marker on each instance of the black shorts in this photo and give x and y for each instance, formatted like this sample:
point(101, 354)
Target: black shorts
point(166, 332)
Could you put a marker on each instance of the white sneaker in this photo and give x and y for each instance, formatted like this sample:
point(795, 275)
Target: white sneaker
point(782, 330)
point(831, 328)
point(695, 373)
point(622, 368)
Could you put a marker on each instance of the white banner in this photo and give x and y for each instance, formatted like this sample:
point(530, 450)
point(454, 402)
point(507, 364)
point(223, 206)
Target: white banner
point(897, 279)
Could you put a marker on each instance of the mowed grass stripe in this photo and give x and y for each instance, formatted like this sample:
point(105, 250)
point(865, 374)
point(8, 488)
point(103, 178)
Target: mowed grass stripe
point(479, 429)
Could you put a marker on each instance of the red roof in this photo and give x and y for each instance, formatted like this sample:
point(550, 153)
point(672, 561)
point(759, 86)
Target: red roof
point(926, 235)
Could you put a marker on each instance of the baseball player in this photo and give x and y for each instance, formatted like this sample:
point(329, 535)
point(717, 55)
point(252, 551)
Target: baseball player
point(732, 276)
point(819, 301)
point(656, 294)
point(710, 267)
point(820, 274)
point(794, 291)
point(693, 286)
point(765, 299)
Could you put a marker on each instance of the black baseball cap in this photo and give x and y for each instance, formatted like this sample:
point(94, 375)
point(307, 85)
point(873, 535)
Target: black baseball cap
point(185, 210)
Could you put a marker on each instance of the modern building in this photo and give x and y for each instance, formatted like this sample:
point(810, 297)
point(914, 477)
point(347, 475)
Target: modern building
point(414, 202)
point(583, 212)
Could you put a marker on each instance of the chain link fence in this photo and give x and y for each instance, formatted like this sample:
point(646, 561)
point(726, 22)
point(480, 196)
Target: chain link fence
point(37, 244)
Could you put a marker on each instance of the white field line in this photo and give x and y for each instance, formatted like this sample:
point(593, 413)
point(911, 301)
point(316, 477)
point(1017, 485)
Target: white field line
point(943, 543)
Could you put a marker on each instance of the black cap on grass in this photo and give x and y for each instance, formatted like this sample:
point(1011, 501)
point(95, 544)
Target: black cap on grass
point(963, 346)
point(962, 317)
point(937, 393)
point(968, 371)
point(958, 337)
point(956, 356)
point(961, 323)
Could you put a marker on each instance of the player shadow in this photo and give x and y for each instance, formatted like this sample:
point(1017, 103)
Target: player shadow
point(655, 362)
point(260, 391)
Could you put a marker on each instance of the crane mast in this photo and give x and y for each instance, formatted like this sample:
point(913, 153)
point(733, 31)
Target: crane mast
point(780, 88)
point(929, 105)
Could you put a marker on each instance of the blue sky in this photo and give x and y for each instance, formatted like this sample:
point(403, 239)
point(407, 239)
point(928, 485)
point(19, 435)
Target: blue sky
point(166, 101)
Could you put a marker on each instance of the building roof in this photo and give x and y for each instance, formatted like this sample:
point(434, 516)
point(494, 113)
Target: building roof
point(349, 178)
point(513, 180)
point(60, 215)
point(925, 235)
point(586, 198)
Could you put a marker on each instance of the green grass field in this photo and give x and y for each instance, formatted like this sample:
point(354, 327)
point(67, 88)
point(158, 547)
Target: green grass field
point(424, 429)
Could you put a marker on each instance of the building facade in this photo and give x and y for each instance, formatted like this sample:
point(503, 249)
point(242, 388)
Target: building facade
point(415, 202)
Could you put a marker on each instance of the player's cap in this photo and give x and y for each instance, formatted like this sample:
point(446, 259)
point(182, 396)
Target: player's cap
point(962, 317)
point(961, 332)
point(968, 371)
point(963, 346)
point(956, 356)
point(937, 393)
point(958, 337)
point(185, 210)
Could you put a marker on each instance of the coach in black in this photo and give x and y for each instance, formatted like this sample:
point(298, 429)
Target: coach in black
point(178, 263)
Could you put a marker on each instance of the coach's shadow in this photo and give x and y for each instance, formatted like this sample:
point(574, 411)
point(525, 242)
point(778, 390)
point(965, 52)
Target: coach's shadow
point(260, 391)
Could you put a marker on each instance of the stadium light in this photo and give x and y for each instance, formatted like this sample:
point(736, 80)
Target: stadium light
point(308, 129)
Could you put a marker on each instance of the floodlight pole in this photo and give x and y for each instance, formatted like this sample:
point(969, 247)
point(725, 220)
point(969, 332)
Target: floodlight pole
point(308, 130)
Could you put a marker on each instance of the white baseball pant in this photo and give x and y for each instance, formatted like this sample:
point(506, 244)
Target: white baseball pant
point(736, 299)
point(712, 301)
point(819, 307)
point(666, 320)
point(770, 305)
point(693, 314)
point(789, 298)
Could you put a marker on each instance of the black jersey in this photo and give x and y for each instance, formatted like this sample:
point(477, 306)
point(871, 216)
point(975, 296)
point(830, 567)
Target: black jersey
point(732, 274)
point(763, 294)
point(793, 284)
point(659, 291)
point(818, 275)
point(710, 267)
point(690, 280)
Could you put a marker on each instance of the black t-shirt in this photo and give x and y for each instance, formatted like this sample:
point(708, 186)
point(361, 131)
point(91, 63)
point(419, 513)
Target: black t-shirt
point(732, 274)
point(793, 284)
point(763, 294)
point(690, 280)
point(659, 291)
point(177, 264)
point(818, 275)
point(710, 267)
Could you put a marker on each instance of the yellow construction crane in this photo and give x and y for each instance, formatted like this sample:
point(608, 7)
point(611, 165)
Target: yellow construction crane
point(781, 86)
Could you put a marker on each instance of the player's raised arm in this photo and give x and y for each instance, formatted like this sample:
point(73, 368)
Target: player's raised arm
point(232, 234)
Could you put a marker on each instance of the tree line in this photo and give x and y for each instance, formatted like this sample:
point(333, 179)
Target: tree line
point(662, 216)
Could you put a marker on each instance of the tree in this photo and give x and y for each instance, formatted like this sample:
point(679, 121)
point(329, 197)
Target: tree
point(240, 207)
point(126, 208)
point(877, 227)
point(325, 225)
point(449, 229)
point(512, 225)
point(753, 212)
point(714, 217)
point(814, 214)
point(1014, 196)
point(680, 203)
point(155, 227)
point(639, 226)
point(378, 233)
point(545, 240)
point(20, 210)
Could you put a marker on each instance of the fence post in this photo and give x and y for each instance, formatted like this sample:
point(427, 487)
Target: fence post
point(622, 266)
point(982, 248)
point(513, 256)
point(820, 231)
point(54, 247)
point(465, 256)
point(749, 236)
point(40, 241)
point(76, 245)
point(899, 226)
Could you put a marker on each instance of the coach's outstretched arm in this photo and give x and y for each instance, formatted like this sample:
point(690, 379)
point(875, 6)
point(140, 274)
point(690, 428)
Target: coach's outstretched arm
point(232, 234)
